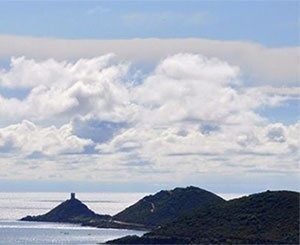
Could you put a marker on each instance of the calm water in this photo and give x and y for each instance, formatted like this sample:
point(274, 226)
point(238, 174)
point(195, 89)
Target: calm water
point(14, 206)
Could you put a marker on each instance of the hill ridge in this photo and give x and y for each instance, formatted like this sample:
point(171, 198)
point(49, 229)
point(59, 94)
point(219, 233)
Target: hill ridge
point(166, 205)
point(268, 217)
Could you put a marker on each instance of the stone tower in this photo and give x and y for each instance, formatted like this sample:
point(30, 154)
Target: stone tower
point(72, 195)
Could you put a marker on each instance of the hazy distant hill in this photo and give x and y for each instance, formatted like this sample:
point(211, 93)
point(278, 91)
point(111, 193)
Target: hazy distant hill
point(269, 217)
point(166, 206)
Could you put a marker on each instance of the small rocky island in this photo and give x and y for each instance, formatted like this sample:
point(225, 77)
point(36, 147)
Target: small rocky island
point(74, 211)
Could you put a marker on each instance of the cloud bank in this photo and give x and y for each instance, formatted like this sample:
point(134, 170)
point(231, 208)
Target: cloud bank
point(262, 65)
point(191, 116)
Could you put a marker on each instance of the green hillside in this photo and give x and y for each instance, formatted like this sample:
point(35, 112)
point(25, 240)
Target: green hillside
point(268, 217)
point(166, 206)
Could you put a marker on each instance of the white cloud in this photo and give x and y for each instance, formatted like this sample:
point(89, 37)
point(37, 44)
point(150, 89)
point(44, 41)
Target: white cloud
point(229, 150)
point(63, 89)
point(182, 87)
point(27, 138)
point(275, 66)
point(192, 115)
point(31, 73)
point(187, 87)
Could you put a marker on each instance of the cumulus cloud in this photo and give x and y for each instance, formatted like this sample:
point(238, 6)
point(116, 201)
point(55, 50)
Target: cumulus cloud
point(191, 115)
point(229, 150)
point(96, 86)
point(192, 88)
point(30, 73)
point(189, 87)
point(27, 138)
point(194, 112)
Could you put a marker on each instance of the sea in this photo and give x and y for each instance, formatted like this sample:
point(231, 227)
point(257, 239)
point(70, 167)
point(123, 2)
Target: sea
point(14, 206)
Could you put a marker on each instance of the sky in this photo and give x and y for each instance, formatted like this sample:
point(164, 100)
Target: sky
point(271, 23)
point(149, 95)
